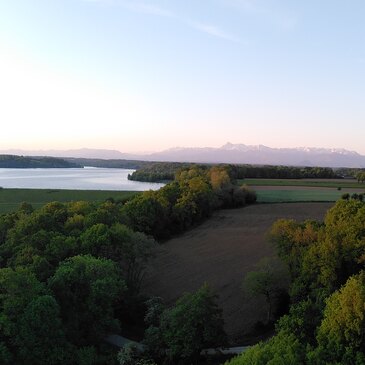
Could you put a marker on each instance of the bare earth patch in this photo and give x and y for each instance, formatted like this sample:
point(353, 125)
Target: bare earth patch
point(220, 252)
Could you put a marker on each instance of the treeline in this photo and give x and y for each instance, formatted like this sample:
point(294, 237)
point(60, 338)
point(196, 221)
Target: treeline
point(12, 161)
point(70, 275)
point(280, 172)
point(183, 203)
point(160, 171)
point(326, 320)
point(348, 172)
point(167, 171)
point(112, 163)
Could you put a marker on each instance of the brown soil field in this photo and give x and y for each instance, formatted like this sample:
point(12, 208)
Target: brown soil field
point(220, 252)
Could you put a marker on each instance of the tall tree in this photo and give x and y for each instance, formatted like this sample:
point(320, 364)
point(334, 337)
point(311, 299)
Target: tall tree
point(40, 337)
point(194, 323)
point(87, 289)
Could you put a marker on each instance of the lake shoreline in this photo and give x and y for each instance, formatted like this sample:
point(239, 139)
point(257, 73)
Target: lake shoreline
point(85, 178)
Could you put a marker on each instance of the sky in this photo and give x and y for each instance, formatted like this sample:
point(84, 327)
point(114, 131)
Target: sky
point(147, 75)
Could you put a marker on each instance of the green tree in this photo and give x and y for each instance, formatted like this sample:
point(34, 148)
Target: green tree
point(17, 289)
point(40, 337)
point(26, 208)
point(87, 288)
point(282, 349)
point(194, 323)
point(131, 355)
point(267, 281)
point(291, 240)
point(7, 221)
point(147, 213)
point(132, 252)
point(96, 240)
point(153, 338)
point(341, 334)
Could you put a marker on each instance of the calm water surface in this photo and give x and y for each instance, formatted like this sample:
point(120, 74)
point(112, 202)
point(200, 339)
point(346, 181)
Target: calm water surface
point(88, 178)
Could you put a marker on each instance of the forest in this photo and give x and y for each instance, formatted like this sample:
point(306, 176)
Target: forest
point(12, 161)
point(160, 171)
point(70, 276)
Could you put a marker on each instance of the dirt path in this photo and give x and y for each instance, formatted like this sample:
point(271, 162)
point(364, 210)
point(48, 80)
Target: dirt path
point(220, 252)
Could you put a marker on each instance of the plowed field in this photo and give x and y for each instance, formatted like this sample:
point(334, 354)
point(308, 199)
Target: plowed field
point(220, 252)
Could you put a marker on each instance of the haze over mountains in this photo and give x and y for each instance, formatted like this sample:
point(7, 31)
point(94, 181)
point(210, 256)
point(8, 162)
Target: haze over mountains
point(77, 153)
point(228, 153)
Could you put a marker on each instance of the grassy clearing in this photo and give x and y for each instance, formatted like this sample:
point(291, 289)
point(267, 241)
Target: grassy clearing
point(288, 196)
point(10, 199)
point(321, 183)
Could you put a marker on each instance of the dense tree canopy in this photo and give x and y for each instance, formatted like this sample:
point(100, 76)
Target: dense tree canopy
point(12, 161)
point(181, 332)
point(65, 272)
point(341, 333)
point(161, 171)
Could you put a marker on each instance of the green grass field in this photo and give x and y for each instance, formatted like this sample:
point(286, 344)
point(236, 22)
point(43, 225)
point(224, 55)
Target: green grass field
point(291, 196)
point(10, 199)
point(329, 190)
point(320, 183)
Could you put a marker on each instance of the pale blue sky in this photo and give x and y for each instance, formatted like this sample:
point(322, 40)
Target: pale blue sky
point(147, 75)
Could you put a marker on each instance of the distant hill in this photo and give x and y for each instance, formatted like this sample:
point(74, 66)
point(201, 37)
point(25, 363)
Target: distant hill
point(12, 161)
point(228, 153)
point(77, 153)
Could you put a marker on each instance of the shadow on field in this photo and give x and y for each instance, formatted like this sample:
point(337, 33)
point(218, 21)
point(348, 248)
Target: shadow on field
point(220, 252)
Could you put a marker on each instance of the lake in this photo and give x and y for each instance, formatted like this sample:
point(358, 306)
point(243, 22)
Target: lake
point(88, 178)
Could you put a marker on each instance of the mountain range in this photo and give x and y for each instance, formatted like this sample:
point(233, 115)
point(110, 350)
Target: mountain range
point(228, 153)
